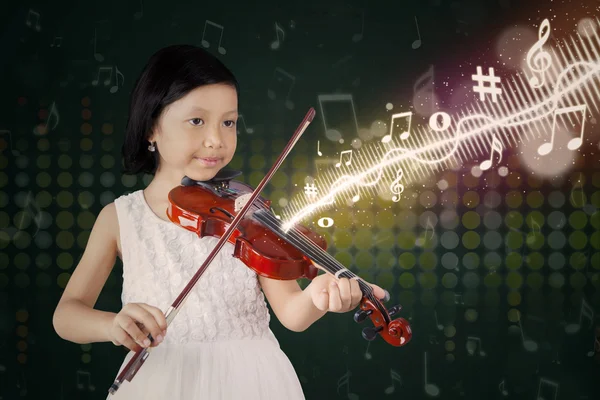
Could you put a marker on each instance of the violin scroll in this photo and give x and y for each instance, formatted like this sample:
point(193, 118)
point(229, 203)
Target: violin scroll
point(396, 332)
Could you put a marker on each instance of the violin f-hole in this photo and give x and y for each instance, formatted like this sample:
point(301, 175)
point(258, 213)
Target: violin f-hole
point(212, 210)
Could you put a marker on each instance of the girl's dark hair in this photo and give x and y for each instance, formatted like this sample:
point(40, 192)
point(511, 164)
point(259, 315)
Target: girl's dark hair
point(170, 74)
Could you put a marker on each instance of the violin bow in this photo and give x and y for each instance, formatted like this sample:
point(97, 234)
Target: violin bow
point(128, 373)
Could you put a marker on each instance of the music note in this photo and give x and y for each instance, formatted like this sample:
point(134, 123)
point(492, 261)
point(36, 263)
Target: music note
point(271, 93)
point(541, 59)
point(342, 155)
point(356, 197)
point(248, 130)
point(318, 150)
point(424, 98)
point(417, 43)
point(31, 208)
point(107, 80)
point(586, 311)
point(472, 343)
point(458, 299)
point(28, 20)
point(528, 344)
point(502, 389)
point(54, 41)
point(14, 152)
point(53, 111)
point(275, 44)
point(496, 146)
point(88, 376)
point(574, 143)
point(396, 187)
point(578, 185)
point(334, 131)
point(395, 377)
point(439, 326)
point(205, 42)
point(368, 355)
point(543, 381)
point(345, 380)
point(404, 135)
point(423, 241)
point(431, 389)
point(531, 236)
point(115, 88)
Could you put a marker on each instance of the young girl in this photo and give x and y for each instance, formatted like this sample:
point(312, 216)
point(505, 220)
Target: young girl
point(182, 122)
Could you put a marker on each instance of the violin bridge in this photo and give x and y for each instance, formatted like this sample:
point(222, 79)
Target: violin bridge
point(241, 201)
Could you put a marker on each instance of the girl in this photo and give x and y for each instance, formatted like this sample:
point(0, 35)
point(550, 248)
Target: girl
point(182, 122)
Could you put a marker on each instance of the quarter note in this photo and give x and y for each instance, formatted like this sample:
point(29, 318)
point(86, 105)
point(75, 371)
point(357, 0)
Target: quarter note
point(319, 151)
point(205, 42)
point(275, 44)
point(357, 37)
point(9, 142)
point(528, 344)
point(431, 389)
point(417, 43)
point(368, 355)
point(439, 326)
point(574, 143)
point(98, 56)
point(502, 389)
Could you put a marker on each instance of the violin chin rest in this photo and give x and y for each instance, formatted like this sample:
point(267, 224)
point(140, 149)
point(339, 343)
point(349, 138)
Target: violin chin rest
point(222, 175)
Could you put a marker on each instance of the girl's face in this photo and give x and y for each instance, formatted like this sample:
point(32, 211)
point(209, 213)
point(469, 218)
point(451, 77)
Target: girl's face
point(197, 134)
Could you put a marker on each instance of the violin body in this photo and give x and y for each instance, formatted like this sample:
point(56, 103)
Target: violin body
point(207, 208)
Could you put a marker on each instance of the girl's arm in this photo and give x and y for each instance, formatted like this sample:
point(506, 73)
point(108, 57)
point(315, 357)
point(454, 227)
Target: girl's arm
point(75, 318)
point(298, 309)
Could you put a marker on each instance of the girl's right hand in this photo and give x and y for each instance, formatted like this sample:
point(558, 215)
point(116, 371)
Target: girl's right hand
point(131, 326)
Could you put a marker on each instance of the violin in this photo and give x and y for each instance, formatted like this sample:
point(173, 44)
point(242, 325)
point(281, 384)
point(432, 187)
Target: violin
point(236, 213)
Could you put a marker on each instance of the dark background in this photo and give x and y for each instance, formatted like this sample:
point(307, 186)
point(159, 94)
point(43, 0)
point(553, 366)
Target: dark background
point(61, 137)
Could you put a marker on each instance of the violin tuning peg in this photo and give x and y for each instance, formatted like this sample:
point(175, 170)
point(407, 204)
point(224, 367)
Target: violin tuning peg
point(370, 333)
point(361, 315)
point(394, 310)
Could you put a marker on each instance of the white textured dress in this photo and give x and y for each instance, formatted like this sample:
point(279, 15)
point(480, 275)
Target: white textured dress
point(219, 346)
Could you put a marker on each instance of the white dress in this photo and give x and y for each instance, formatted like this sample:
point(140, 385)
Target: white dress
point(219, 346)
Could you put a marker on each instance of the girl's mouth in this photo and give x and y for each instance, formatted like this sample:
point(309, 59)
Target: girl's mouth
point(209, 161)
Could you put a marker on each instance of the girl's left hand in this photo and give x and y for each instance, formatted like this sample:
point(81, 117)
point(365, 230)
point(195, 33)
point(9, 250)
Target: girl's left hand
point(341, 295)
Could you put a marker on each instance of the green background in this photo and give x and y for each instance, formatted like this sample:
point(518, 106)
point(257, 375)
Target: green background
point(483, 267)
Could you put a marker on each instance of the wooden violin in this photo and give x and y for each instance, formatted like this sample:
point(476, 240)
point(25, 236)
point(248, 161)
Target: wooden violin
point(207, 208)
point(235, 213)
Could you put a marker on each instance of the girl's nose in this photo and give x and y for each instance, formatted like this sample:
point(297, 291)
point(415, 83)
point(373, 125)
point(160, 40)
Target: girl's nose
point(213, 139)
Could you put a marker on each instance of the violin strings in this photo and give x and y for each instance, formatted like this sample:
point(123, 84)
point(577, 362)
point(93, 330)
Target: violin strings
point(307, 245)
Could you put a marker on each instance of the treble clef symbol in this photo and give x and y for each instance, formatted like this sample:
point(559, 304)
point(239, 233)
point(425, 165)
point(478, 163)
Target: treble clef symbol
point(397, 188)
point(541, 60)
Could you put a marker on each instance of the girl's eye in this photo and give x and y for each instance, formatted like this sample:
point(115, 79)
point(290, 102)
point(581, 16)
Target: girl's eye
point(231, 125)
point(196, 121)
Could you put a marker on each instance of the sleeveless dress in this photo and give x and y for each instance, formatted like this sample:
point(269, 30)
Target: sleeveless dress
point(219, 346)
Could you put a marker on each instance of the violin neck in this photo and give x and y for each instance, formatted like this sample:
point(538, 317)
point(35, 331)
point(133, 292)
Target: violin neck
point(311, 250)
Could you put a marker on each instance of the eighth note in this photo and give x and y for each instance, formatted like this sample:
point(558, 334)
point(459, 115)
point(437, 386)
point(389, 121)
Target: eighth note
point(205, 42)
point(347, 162)
point(395, 377)
point(275, 44)
point(345, 380)
point(574, 143)
point(496, 146)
